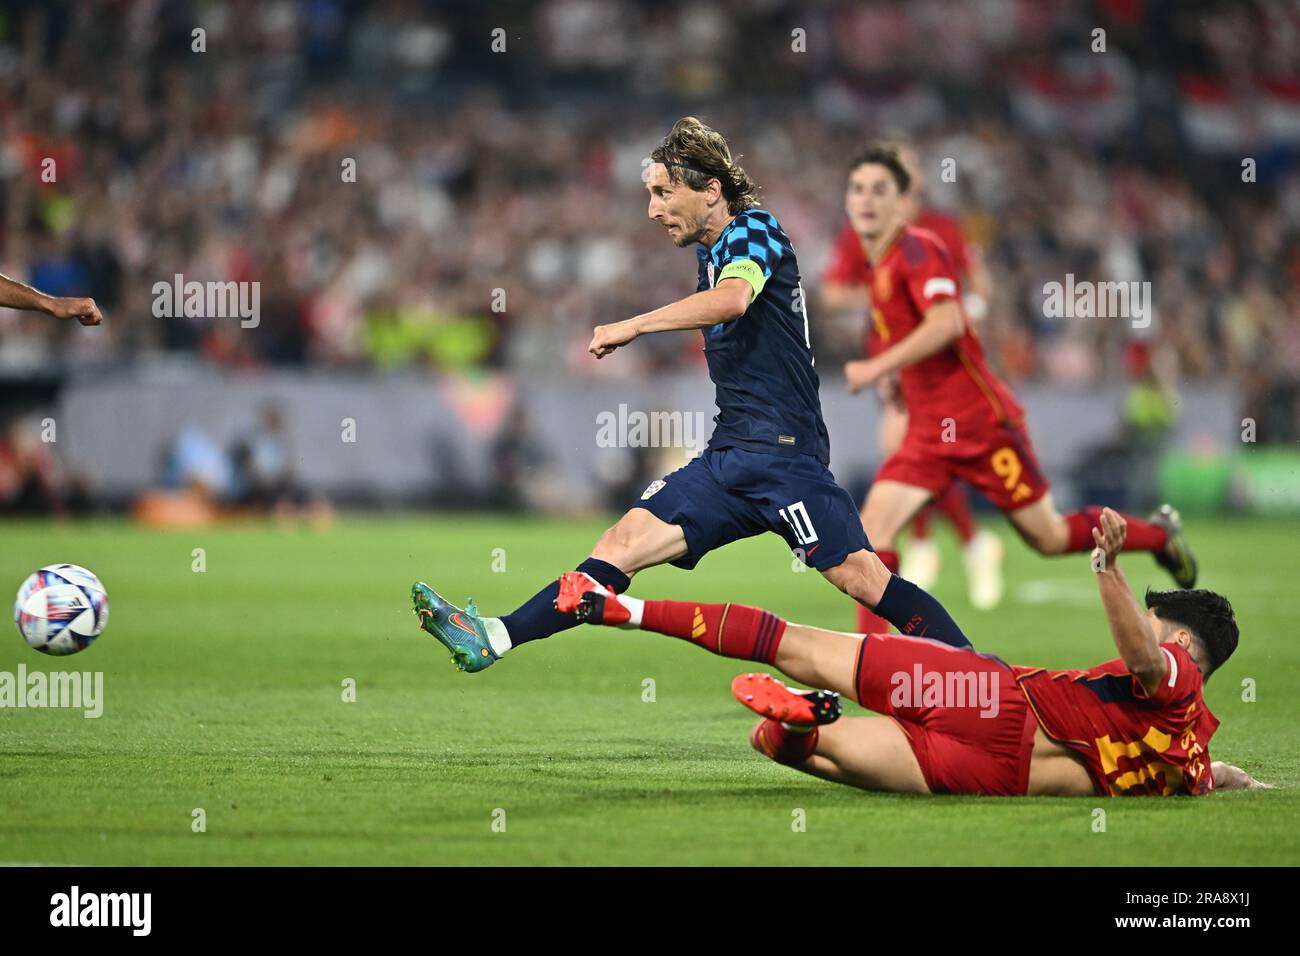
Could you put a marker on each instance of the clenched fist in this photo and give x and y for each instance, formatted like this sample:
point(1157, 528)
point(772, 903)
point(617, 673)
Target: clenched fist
point(83, 310)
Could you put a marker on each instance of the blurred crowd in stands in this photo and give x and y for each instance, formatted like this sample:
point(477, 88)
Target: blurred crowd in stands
point(456, 185)
point(198, 479)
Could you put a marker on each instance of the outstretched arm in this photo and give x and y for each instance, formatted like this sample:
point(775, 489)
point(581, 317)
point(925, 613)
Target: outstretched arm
point(726, 301)
point(844, 296)
point(15, 295)
point(941, 326)
point(1137, 643)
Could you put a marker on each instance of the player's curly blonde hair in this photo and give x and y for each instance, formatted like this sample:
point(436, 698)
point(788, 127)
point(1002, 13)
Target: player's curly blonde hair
point(694, 154)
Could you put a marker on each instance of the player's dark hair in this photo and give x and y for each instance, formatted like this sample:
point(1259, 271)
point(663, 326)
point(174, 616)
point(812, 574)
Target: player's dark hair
point(889, 155)
point(695, 154)
point(1207, 615)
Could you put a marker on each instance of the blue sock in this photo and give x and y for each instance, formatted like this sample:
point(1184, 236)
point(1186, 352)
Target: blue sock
point(917, 614)
point(537, 617)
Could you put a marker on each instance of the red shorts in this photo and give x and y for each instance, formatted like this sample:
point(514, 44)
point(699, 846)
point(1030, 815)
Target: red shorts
point(997, 461)
point(963, 713)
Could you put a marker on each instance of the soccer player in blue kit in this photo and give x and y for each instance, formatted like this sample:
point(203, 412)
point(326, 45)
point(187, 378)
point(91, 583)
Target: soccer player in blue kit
point(766, 465)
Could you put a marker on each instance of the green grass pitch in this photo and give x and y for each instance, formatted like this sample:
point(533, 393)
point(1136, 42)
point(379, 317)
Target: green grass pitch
point(224, 692)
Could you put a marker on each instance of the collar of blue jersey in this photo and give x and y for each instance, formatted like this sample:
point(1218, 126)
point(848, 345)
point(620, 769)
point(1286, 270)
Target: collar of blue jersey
point(706, 252)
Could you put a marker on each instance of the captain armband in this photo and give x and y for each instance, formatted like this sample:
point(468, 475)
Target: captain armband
point(745, 269)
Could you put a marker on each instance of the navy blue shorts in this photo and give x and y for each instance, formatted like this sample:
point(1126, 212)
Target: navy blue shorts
point(732, 493)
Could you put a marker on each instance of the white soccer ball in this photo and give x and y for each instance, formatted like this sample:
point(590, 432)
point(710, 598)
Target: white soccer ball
point(61, 609)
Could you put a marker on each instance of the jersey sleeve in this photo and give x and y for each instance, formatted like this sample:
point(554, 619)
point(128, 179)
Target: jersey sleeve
point(949, 232)
point(752, 251)
point(928, 273)
point(1184, 678)
point(848, 263)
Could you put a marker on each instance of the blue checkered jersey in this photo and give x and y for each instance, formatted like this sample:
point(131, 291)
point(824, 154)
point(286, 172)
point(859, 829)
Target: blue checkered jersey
point(761, 363)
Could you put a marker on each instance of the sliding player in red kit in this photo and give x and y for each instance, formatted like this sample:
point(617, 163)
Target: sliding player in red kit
point(958, 721)
point(846, 286)
point(963, 422)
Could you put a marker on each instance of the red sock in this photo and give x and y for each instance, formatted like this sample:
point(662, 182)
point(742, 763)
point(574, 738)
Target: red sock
point(732, 630)
point(921, 523)
point(870, 622)
point(1141, 536)
point(956, 509)
point(772, 739)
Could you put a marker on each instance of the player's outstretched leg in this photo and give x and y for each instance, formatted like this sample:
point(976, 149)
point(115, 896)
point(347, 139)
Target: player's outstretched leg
point(890, 505)
point(1049, 532)
point(737, 630)
point(477, 642)
point(809, 655)
point(1177, 557)
point(868, 579)
point(461, 631)
point(867, 752)
point(639, 540)
point(730, 630)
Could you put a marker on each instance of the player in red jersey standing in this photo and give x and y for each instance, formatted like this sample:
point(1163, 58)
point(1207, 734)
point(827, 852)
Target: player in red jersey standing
point(958, 721)
point(845, 285)
point(963, 422)
point(15, 295)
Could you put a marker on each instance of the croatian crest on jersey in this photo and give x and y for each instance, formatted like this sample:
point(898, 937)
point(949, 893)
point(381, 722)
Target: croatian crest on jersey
point(655, 485)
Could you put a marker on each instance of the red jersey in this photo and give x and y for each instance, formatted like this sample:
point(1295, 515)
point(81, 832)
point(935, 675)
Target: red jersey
point(849, 266)
point(1133, 745)
point(949, 232)
point(914, 273)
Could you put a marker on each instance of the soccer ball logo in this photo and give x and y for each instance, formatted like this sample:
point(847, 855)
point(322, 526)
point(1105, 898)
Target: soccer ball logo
point(61, 609)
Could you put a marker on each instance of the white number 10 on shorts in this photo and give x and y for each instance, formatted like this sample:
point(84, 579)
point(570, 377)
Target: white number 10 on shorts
point(797, 518)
